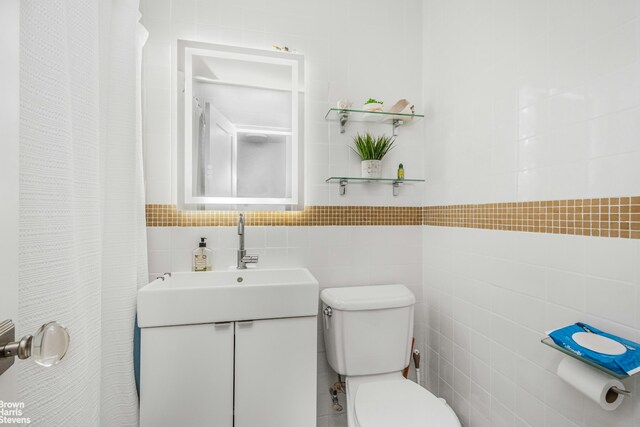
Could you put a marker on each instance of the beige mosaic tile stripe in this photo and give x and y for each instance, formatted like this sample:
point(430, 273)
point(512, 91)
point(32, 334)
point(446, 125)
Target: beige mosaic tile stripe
point(607, 217)
point(169, 216)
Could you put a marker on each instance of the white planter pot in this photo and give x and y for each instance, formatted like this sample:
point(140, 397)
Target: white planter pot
point(371, 168)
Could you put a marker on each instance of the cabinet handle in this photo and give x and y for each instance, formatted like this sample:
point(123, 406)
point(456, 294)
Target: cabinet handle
point(245, 323)
point(222, 324)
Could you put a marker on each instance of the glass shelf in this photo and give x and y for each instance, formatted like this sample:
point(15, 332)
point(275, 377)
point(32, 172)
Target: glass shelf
point(549, 341)
point(344, 180)
point(343, 115)
point(358, 179)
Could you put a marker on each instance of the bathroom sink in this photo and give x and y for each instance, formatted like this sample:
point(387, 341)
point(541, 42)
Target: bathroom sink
point(224, 296)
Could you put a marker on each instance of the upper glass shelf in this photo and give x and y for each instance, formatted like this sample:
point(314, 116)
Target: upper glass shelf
point(368, 116)
point(549, 341)
point(343, 115)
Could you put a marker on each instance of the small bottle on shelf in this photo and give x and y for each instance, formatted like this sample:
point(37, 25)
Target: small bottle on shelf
point(400, 171)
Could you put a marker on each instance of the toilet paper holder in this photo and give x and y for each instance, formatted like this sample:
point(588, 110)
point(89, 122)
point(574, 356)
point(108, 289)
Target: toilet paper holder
point(597, 386)
point(620, 391)
point(548, 341)
point(599, 383)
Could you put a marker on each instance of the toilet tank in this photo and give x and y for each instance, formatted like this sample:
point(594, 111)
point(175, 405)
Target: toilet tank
point(368, 329)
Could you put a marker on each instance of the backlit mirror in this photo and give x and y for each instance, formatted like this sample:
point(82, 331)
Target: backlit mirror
point(240, 127)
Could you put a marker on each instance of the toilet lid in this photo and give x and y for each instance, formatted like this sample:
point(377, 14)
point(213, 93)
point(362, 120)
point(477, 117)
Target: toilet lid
point(401, 403)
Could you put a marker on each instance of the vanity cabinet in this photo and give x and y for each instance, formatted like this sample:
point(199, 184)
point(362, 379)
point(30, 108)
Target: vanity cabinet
point(186, 375)
point(276, 373)
point(241, 374)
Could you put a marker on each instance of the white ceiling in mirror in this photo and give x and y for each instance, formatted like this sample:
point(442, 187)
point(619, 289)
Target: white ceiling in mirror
point(243, 73)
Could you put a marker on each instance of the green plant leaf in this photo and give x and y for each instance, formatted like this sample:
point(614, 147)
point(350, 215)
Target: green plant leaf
point(369, 147)
point(373, 101)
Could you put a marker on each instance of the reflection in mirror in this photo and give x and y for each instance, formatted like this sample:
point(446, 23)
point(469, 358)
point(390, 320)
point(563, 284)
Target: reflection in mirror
point(242, 116)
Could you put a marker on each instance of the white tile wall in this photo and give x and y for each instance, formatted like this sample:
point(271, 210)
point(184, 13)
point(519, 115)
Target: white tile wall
point(483, 326)
point(528, 100)
point(531, 100)
point(356, 49)
point(337, 256)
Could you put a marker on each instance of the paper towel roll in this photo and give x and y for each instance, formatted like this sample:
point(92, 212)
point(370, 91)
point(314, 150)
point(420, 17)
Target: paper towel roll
point(592, 383)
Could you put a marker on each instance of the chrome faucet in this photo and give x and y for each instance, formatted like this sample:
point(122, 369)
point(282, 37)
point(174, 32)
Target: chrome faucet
point(243, 258)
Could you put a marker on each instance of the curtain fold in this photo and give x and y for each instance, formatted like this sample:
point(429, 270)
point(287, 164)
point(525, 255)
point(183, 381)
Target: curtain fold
point(124, 251)
point(82, 227)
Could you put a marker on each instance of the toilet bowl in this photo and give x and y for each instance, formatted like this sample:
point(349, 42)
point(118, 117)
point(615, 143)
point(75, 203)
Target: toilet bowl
point(391, 400)
point(368, 332)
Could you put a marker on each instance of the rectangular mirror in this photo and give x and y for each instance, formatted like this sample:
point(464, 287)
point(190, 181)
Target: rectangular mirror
point(240, 127)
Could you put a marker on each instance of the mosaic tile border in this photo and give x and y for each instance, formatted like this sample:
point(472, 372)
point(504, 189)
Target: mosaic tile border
point(606, 217)
point(617, 217)
point(170, 216)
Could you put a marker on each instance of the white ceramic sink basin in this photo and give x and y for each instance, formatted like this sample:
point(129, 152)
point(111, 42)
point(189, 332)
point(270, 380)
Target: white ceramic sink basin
point(223, 296)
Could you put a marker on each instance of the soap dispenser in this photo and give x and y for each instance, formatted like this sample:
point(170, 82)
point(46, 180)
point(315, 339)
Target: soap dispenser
point(202, 256)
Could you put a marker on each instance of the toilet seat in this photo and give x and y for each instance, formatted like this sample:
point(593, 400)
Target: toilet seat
point(401, 403)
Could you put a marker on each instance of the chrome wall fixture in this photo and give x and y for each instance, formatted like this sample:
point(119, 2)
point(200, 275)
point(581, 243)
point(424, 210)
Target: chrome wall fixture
point(47, 346)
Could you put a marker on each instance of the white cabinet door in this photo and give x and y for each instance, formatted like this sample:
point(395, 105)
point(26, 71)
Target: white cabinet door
point(186, 376)
point(276, 373)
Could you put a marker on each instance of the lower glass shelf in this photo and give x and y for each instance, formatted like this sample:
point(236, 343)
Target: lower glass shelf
point(395, 182)
point(549, 342)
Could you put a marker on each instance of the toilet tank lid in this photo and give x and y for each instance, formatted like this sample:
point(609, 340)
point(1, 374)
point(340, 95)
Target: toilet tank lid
point(368, 297)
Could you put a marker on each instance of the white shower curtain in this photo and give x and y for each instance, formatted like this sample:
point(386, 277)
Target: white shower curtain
point(82, 228)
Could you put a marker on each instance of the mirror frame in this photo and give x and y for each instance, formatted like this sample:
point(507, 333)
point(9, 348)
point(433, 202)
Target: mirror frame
point(186, 50)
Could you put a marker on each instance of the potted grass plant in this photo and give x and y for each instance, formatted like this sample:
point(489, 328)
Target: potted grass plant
point(371, 149)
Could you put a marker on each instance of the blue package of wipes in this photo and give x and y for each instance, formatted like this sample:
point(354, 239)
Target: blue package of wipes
point(610, 351)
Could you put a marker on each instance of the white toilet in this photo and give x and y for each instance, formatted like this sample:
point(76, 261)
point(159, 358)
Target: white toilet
point(367, 334)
